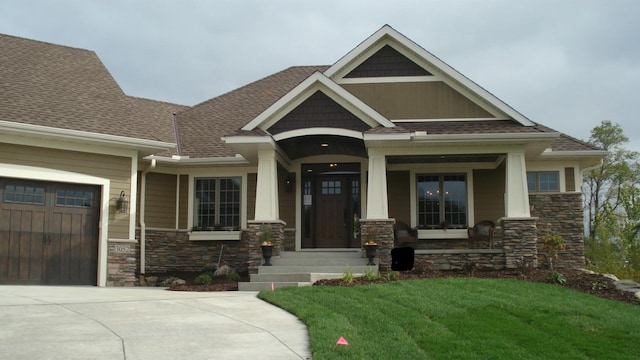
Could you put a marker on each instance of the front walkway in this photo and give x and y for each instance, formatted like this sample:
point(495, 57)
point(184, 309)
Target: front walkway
point(40, 322)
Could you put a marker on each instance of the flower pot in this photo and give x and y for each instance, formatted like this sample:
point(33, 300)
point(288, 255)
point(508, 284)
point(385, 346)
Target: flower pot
point(267, 252)
point(371, 253)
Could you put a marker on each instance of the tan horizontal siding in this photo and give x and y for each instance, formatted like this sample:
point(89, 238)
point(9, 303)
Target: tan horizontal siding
point(398, 186)
point(183, 212)
point(419, 100)
point(488, 193)
point(115, 168)
point(160, 210)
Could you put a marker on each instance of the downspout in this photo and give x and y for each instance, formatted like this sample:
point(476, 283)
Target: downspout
point(143, 225)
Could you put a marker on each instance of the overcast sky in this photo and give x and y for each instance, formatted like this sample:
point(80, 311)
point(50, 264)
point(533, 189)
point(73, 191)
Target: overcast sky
point(568, 64)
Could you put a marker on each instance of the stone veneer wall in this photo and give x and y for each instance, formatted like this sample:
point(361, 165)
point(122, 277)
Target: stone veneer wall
point(561, 213)
point(171, 250)
point(289, 239)
point(519, 241)
point(122, 263)
point(254, 251)
point(461, 260)
point(381, 231)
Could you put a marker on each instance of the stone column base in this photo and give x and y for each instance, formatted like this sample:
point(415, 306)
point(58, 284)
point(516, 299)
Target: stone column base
point(519, 239)
point(255, 231)
point(380, 231)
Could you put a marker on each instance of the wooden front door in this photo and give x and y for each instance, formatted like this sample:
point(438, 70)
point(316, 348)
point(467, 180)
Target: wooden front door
point(330, 204)
point(48, 233)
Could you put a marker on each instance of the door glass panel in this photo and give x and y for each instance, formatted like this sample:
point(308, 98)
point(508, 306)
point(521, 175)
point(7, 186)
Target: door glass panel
point(24, 194)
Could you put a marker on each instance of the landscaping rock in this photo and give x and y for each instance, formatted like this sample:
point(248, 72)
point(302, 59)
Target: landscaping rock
point(223, 270)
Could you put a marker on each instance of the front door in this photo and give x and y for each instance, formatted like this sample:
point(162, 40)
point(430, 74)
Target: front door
point(331, 202)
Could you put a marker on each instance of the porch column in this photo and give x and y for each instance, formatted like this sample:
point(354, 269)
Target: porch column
point(267, 186)
point(377, 207)
point(516, 195)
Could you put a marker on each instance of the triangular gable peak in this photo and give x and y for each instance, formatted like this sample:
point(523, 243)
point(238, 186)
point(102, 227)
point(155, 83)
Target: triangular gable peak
point(296, 113)
point(388, 62)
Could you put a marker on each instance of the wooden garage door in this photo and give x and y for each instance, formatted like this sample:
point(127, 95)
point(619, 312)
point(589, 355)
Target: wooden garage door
point(48, 233)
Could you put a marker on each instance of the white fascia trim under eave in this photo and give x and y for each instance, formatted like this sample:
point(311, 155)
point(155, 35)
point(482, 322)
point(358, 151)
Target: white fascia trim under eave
point(573, 154)
point(39, 131)
point(224, 160)
point(501, 137)
point(389, 137)
point(317, 131)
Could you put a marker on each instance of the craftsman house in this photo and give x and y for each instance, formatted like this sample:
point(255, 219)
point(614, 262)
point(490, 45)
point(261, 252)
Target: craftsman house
point(97, 187)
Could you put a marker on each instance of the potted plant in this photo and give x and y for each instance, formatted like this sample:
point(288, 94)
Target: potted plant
point(370, 247)
point(266, 244)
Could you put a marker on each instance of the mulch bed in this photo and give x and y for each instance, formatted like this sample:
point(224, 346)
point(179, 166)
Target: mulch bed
point(595, 284)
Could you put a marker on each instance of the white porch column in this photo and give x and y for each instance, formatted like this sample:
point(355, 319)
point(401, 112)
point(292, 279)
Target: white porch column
point(267, 187)
point(517, 194)
point(377, 205)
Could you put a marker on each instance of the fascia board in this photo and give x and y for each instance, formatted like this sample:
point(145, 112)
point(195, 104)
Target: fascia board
point(485, 137)
point(244, 139)
point(318, 131)
point(77, 136)
point(434, 61)
point(389, 137)
point(228, 160)
point(575, 154)
point(317, 78)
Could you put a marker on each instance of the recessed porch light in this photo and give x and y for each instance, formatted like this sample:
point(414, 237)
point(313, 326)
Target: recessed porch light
point(324, 145)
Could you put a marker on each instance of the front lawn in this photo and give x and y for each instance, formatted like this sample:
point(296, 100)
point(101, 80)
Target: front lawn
point(462, 318)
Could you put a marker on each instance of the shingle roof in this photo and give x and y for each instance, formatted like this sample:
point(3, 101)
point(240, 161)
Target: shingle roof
point(201, 127)
point(64, 87)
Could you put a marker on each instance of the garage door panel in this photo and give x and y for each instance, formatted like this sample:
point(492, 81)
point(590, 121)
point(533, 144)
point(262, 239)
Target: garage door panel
point(51, 239)
point(21, 245)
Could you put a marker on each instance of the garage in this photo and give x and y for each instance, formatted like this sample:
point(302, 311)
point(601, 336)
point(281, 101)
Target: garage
point(48, 232)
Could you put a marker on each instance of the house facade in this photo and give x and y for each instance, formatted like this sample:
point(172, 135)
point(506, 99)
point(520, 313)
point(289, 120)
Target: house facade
point(102, 188)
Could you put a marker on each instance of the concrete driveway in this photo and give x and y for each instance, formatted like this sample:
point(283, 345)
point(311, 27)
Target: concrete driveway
point(42, 322)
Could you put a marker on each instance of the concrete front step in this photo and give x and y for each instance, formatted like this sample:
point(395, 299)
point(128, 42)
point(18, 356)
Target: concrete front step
point(261, 286)
point(349, 254)
point(295, 277)
point(305, 268)
point(327, 269)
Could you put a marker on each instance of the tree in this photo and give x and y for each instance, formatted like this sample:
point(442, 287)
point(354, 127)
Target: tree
point(603, 185)
point(612, 201)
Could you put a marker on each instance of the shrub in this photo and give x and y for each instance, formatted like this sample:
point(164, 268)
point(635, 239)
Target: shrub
point(203, 279)
point(558, 278)
point(371, 274)
point(348, 275)
point(232, 276)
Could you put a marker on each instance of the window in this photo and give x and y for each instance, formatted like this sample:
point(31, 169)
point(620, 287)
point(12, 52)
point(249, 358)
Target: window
point(217, 203)
point(543, 181)
point(74, 198)
point(442, 201)
point(18, 194)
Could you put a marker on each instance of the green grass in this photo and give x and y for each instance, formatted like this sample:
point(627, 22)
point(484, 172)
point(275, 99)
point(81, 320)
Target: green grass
point(462, 318)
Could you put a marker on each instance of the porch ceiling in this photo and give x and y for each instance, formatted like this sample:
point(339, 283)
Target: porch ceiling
point(300, 147)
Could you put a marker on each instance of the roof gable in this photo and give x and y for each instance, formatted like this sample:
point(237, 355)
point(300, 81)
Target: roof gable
point(387, 62)
point(318, 110)
point(314, 83)
point(439, 70)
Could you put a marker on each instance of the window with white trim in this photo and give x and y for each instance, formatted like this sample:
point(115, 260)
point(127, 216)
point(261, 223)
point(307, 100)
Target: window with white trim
point(217, 203)
point(543, 181)
point(442, 201)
